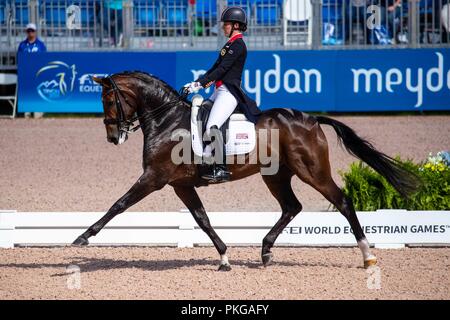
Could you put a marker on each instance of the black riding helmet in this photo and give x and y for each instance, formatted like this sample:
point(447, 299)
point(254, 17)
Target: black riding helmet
point(235, 14)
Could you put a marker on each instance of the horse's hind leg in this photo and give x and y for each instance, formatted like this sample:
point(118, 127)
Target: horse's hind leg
point(344, 204)
point(190, 198)
point(280, 187)
point(313, 167)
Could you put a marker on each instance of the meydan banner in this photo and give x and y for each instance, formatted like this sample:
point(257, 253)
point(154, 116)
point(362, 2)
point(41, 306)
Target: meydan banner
point(328, 80)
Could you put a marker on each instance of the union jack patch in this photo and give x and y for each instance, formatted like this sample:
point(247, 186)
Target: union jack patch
point(241, 136)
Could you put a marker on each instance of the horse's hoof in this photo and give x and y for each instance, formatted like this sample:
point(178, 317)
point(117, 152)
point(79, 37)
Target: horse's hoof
point(370, 262)
point(224, 267)
point(80, 241)
point(267, 259)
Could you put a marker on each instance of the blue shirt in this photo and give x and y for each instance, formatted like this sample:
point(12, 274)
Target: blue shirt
point(36, 46)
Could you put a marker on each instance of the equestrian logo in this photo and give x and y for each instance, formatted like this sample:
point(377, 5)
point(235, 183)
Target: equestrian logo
point(59, 81)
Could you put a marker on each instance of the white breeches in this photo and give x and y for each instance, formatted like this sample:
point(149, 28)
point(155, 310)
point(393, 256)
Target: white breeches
point(223, 107)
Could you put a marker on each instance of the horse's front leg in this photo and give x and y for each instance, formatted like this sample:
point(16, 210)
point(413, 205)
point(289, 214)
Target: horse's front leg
point(191, 200)
point(145, 185)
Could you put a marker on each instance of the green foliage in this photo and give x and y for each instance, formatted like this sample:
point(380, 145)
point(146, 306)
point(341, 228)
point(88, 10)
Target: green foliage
point(370, 191)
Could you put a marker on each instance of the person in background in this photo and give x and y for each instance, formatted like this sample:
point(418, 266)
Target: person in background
point(356, 11)
point(112, 21)
point(32, 44)
point(391, 11)
point(442, 21)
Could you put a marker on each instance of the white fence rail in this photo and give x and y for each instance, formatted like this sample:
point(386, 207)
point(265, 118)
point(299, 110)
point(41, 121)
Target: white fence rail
point(384, 228)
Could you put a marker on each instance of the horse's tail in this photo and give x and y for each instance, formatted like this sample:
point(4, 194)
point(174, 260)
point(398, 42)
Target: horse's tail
point(404, 181)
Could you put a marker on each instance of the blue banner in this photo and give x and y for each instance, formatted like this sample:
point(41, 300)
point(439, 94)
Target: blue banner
point(61, 81)
point(327, 80)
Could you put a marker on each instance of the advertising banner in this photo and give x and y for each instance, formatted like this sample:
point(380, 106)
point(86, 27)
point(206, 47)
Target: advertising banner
point(327, 80)
point(388, 228)
point(62, 81)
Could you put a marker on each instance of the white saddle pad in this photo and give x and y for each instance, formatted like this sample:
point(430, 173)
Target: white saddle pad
point(241, 134)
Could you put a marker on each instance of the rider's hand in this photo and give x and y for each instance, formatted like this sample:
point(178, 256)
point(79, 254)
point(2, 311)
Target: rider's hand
point(193, 87)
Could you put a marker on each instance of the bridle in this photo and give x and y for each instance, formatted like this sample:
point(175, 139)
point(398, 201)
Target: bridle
point(123, 124)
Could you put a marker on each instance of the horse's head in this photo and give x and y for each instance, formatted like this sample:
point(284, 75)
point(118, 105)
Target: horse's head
point(119, 106)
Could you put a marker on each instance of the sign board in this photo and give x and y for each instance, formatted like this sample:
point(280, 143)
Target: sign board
point(379, 80)
point(393, 227)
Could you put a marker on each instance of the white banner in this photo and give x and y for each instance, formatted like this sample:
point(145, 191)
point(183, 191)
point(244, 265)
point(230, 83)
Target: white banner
point(384, 227)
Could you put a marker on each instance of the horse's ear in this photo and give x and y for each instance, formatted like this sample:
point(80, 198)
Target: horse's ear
point(100, 81)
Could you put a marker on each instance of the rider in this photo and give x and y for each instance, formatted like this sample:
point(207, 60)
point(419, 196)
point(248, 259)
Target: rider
point(226, 73)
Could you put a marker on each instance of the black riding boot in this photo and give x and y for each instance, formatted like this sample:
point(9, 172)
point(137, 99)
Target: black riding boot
point(218, 172)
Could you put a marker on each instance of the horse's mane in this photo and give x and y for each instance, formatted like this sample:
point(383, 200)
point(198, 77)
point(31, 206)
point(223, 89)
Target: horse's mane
point(147, 78)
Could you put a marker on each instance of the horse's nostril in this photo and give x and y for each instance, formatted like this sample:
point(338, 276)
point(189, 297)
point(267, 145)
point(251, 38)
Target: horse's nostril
point(112, 140)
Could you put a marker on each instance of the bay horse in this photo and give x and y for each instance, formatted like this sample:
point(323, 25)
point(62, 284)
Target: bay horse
point(303, 151)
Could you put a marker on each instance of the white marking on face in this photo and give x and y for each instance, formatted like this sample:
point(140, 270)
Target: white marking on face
point(122, 137)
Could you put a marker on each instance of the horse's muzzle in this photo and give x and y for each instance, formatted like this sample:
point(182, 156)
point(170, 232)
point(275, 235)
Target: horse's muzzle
point(113, 140)
point(123, 136)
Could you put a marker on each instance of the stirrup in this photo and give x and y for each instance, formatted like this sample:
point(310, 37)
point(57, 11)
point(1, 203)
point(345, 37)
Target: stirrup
point(218, 173)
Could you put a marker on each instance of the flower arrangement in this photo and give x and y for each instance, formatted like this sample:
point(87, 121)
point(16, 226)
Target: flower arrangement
point(439, 162)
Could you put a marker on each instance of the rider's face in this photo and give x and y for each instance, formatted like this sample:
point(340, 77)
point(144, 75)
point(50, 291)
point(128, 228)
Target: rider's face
point(227, 28)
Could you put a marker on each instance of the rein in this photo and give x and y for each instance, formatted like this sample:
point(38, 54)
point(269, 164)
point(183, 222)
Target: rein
point(123, 124)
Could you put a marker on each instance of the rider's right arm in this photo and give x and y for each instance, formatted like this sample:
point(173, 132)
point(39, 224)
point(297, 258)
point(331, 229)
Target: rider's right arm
point(209, 71)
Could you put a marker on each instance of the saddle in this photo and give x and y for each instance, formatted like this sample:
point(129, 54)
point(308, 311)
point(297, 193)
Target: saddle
point(238, 133)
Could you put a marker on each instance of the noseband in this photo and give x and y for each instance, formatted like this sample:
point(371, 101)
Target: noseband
point(123, 124)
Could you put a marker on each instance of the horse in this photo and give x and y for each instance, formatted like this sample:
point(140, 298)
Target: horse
point(128, 97)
